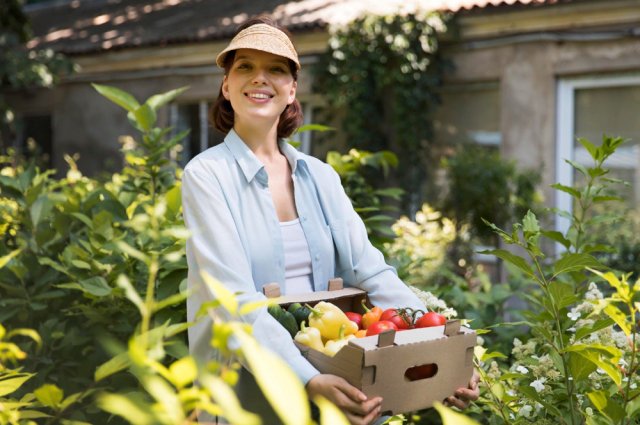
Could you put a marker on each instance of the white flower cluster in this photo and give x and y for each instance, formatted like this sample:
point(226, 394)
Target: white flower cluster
point(424, 241)
point(433, 303)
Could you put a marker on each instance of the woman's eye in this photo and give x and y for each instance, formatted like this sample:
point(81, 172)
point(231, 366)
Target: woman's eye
point(243, 66)
point(278, 69)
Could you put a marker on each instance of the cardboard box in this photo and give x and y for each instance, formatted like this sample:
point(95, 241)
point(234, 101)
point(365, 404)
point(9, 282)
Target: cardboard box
point(378, 365)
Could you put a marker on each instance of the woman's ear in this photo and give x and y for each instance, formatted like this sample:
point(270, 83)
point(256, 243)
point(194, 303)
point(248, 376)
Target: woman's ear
point(292, 93)
point(225, 87)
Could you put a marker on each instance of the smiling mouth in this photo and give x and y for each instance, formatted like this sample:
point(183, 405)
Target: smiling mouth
point(258, 95)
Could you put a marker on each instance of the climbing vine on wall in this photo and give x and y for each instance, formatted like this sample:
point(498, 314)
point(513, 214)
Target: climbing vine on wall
point(383, 72)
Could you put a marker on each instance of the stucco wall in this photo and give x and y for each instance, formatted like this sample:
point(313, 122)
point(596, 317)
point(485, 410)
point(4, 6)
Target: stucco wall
point(527, 74)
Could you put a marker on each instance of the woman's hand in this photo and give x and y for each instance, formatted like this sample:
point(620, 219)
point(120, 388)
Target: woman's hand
point(351, 401)
point(464, 396)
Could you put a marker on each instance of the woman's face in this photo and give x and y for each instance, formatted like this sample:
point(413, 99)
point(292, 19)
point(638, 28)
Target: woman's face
point(259, 86)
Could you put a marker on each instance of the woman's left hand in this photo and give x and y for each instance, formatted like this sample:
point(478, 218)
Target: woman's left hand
point(464, 396)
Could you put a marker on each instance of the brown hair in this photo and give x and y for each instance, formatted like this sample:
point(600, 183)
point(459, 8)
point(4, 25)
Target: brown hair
point(221, 114)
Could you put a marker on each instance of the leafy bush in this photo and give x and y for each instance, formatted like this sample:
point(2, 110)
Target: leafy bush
point(98, 268)
point(483, 186)
point(580, 363)
point(419, 249)
point(356, 169)
point(380, 70)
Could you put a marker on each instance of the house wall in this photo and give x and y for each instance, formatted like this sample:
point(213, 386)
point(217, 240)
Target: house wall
point(526, 74)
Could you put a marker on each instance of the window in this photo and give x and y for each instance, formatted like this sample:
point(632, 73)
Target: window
point(590, 107)
point(193, 117)
point(469, 113)
point(34, 136)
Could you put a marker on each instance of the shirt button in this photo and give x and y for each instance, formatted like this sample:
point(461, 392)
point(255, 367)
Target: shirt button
point(317, 257)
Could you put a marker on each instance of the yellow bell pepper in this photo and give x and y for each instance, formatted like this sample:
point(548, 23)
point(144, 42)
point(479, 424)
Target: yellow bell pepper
point(332, 346)
point(310, 337)
point(328, 318)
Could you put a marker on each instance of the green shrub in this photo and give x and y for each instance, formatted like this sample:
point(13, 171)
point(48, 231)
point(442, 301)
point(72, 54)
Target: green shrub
point(579, 363)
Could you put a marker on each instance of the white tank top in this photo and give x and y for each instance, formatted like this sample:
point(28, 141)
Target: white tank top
point(297, 259)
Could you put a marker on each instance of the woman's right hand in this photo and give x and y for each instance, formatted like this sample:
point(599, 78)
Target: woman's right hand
point(353, 403)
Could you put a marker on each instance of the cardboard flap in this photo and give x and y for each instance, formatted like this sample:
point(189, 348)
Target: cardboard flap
point(271, 290)
point(336, 283)
point(330, 296)
point(452, 327)
point(386, 338)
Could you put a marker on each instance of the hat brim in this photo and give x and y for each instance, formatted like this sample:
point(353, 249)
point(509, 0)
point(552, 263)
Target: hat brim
point(264, 38)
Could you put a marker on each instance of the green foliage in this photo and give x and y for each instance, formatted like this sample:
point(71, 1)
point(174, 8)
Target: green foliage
point(483, 186)
point(372, 204)
point(581, 363)
point(22, 68)
point(98, 268)
point(419, 249)
point(382, 70)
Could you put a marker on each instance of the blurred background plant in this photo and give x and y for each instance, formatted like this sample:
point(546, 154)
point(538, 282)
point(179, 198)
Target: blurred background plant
point(22, 68)
point(379, 70)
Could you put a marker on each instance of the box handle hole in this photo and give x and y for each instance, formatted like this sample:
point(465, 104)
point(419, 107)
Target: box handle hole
point(417, 373)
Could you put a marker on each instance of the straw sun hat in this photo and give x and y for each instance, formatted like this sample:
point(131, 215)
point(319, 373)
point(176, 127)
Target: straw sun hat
point(261, 37)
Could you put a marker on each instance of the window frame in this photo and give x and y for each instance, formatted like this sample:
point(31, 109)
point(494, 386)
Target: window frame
point(565, 132)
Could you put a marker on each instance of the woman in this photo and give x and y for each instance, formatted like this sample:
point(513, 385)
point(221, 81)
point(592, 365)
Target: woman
point(260, 212)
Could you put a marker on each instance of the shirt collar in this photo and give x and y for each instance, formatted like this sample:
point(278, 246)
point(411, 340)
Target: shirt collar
point(249, 163)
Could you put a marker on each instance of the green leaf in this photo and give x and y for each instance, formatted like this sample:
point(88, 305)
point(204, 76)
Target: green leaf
point(130, 408)
point(619, 317)
point(158, 100)
point(329, 413)
point(113, 365)
point(131, 294)
point(184, 371)
point(96, 285)
point(581, 168)
point(145, 116)
point(517, 261)
point(40, 209)
point(117, 96)
point(227, 400)
point(166, 397)
point(571, 191)
point(600, 324)
point(590, 147)
point(29, 333)
point(562, 294)
point(50, 395)
point(4, 260)
point(313, 127)
point(530, 223)
point(599, 399)
point(11, 384)
point(595, 357)
point(227, 298)
point(621, 288)
point(174, 200)
point(250, 306)
point(574, 262)
point(131, 251)
point(279, 384)
point(451, 417)
point(580, 370)
point(557, 237)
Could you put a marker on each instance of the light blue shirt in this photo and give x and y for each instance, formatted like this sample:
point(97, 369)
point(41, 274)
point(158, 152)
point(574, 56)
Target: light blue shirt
point(236, 238)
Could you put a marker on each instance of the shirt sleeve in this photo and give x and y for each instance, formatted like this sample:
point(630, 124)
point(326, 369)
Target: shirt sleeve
point(361, 264)
point(215, 248)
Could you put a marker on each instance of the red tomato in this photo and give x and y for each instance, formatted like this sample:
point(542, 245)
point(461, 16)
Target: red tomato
point(402, 321)
point(429, 319)
point(421, 372)
point(381, 326)
point(355, 318)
